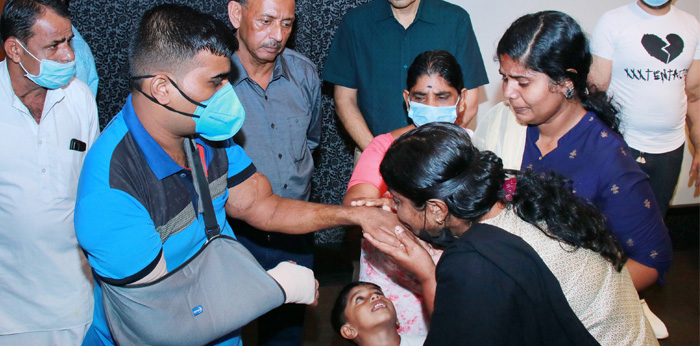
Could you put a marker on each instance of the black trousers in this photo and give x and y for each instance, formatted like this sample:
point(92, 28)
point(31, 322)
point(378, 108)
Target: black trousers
point(663, 170)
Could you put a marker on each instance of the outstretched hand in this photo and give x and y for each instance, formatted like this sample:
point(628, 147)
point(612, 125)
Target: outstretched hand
point(380, 223)
point(384, 203)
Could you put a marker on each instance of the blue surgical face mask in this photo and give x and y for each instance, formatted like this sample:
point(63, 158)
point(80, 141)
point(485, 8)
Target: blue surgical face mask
point(221, 116)
point(52, 74)
point(218, 118)
point(422, 114)
point(655, 3)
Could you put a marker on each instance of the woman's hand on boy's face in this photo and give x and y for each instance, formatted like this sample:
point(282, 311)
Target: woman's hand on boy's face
point(410, 254)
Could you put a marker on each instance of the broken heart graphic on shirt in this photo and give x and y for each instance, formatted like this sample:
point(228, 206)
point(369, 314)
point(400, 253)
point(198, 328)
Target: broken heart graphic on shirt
point(665, 51)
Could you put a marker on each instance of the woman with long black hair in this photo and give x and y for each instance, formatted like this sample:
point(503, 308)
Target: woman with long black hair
point(527, 262)
point(573, 130)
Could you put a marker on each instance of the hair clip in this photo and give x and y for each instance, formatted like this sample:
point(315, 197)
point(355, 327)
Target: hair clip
point(509, 188)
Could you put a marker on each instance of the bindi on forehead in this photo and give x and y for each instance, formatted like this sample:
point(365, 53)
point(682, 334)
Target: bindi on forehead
point(430, 86)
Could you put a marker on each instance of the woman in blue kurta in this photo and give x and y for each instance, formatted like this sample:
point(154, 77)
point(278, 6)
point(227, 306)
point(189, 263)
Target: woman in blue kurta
point(573, 130)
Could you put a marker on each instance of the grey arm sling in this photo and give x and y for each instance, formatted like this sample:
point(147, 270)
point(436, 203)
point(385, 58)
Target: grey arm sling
point(217, 291)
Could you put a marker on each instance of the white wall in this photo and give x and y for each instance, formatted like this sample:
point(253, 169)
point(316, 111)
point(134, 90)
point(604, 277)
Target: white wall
point(491, 18)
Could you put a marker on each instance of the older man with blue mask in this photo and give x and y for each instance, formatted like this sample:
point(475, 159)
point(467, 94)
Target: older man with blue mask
point(49, 121)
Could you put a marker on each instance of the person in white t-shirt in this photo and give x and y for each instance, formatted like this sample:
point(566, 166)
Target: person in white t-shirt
point(647, 56)
point(48, 122)
point(363, 315)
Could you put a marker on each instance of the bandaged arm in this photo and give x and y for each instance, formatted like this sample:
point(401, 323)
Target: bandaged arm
point(298, 282)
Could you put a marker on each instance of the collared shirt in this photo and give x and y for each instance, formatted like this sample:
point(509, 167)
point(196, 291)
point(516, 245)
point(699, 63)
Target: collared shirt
point(43, 286)
point(135, 201)
point(282, 125)
point(599, 164)
point(371, 52)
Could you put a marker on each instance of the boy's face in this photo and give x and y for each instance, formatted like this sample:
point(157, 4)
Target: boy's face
point(368, 308)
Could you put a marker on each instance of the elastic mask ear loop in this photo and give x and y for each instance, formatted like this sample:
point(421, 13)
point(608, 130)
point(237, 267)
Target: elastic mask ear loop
point(27, 50)
point(425, 218)
point(30, 54)
point(138, 88)
point(185, 96)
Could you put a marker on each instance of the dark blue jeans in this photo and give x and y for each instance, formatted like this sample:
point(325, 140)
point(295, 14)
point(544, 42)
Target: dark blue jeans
point(663, 170)
point(284, 325)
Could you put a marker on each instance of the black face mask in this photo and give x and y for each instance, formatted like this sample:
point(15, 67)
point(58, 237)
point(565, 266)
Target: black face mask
point(444, 239)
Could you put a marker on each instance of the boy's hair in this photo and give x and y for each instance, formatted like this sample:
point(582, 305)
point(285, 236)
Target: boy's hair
point(338, 318)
